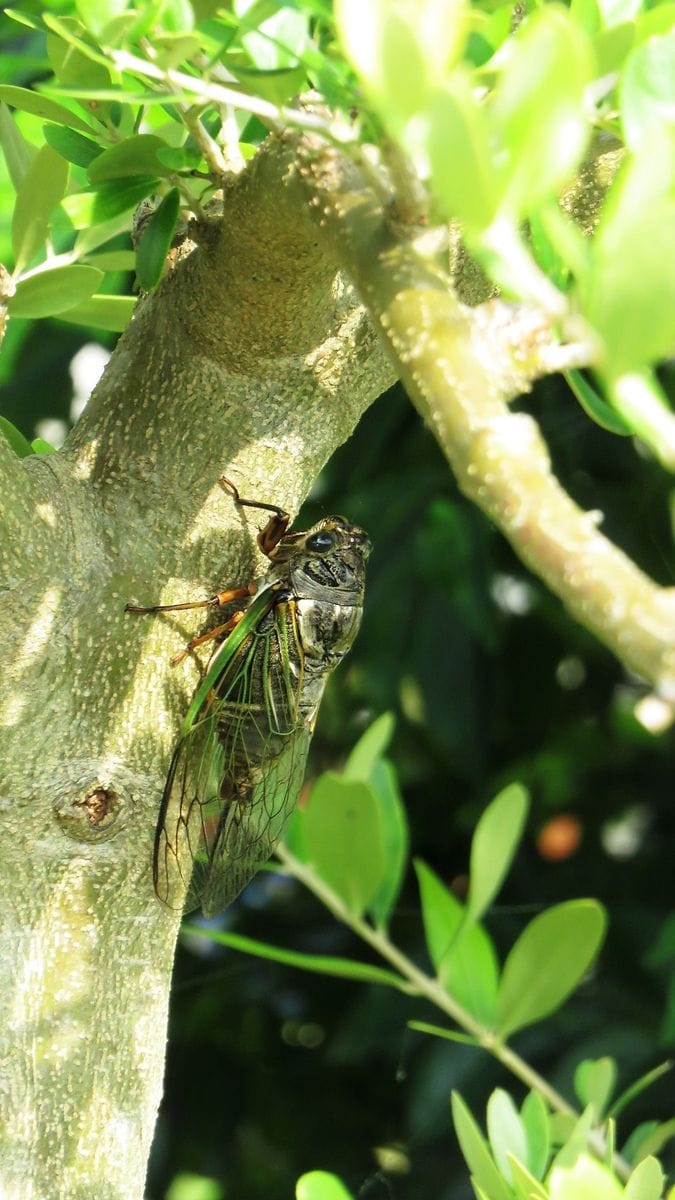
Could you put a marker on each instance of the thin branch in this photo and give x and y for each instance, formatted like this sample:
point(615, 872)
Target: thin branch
point(433, 991)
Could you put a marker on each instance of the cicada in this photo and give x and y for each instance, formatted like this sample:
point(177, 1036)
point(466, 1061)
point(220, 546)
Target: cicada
point(239, 762)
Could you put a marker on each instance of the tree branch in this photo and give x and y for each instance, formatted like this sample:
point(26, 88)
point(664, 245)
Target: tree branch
point(460, 367)
point(255, 358)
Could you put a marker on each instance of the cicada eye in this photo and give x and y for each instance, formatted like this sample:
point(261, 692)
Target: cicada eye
point(321, 542)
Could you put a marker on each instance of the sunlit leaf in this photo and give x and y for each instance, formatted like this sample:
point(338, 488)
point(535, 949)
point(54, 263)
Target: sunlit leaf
point(319, 1185)
point(52, 292)
point(646, 1181)
point(506, 1131)
point(136, 155)
point(594, 1082)
point(464, 958)
point(493, 847)
point(342, 837)
point(41, 106)
point(537, 108)
point(476, 1153)
point(43, 186)
point(586, 1179)
point(547, 962)
point(18, 153)
point(102, 312)
point(20, 444)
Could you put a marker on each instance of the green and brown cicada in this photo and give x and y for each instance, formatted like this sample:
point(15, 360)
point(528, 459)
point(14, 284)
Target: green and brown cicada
point(238, 765)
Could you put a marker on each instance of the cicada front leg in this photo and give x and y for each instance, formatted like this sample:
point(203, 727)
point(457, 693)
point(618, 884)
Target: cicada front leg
point(271, 533)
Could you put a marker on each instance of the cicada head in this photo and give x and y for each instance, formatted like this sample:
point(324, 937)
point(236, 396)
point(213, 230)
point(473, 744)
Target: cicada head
point(327, 562)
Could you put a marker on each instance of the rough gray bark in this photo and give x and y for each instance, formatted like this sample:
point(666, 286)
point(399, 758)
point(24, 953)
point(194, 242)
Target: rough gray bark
point(252, 358)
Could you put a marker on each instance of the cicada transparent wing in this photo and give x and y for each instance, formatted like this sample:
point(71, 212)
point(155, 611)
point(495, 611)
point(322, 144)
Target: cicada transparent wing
point(238, 766)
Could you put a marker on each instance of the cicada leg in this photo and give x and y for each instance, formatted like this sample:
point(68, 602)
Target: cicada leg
point(208, 636)
point(271, 534)
point(217, 601)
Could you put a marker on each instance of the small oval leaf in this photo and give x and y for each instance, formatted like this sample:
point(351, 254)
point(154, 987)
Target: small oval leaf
point(548, 961)
point(71, 145)
point(43, 186)
point(319, 1185)
point(53, 292)
point(155, 241)
point(134, 156)
point(494, 844)
point(41, 106)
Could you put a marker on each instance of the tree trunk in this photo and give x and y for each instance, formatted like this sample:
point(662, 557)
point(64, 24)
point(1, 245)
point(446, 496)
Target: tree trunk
point(252, 358)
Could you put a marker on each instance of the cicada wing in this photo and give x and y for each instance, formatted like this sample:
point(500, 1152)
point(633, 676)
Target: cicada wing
point(253, 823)
point(189, 816)
point(236, 773)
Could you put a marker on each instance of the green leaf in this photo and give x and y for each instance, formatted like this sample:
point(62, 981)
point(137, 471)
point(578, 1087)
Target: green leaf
point(109, 199)
point(369, 749)
point(646, 1181)
point(319, 1185)
point(613, 12)
point(96, 14)
point(547, 962)
point(319, 964)
point(187, 1186)
point(382, 45)
point(92, 236)
point(277, 41)
point(585, 1180)
point(493, 847)
point(647, 90)
point(51, 292)
point(113, 260)
point(595, 406)
point(71, 145)
point(594, 1082)
point(136, 155)
point(24, 18)
point(614, 285)
point(655, 1138)
point(400, 50)
point(20, 445)
point(506, 1132)
point(69, 66)
point(155, 241)
point(537, 109)
point(476, 1152)
point(41, 106)
point(395, 839)
point(43, 186)
point(102, 312)
point(464, 958)
point(342, 837)
point(18, 153)
point(575, 1134)
point(455, 139)
point(40, 446)
point(538, 1132)
point(524, 1184)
